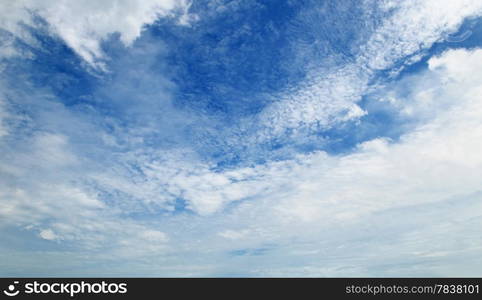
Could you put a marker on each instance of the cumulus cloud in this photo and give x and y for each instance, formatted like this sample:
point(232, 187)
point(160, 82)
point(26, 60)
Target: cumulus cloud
point(47, 234)
point(84, 25)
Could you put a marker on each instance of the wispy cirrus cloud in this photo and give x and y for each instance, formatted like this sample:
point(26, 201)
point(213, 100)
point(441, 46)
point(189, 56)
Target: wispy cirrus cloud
point(330, 95)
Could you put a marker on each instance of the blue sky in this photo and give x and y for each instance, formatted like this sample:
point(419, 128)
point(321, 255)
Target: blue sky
point(240, 138)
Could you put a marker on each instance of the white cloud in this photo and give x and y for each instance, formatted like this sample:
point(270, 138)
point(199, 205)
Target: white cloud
point(48, 234)
point(322, 101)
point(388, 199)
point(439, 159)
point(329, 215)
point(379, 175)
point(42, 185)
point(414, 26)
point(153, 236)
point(234, 234)
point(84, 24)
point(329, 95)
point(3, 117)
point(312, 207)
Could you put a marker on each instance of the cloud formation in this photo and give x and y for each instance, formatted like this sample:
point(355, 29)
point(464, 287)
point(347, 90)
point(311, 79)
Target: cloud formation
point(83, 26)
point(125, 171)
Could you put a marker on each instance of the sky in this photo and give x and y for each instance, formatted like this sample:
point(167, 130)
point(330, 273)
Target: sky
point(241, 138)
